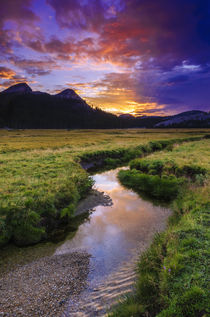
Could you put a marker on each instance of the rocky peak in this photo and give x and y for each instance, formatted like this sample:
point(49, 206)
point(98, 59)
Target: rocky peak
point(21, 88)
point(69, 94)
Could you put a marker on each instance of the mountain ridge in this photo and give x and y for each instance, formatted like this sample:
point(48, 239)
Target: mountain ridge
point(18, 88)
point(21, 107)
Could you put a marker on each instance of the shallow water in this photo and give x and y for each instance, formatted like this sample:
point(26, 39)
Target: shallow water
point(114, 236)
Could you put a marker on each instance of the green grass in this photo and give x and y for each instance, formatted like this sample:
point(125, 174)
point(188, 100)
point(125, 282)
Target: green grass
point(111, 158)
point(173, 273)
point(86, 140)
point(41, 178)
point(165, 188)
point(42, 181)
point(38, 192)
point(193, 154)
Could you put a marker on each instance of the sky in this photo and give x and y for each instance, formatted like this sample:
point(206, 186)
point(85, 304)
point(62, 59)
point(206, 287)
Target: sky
point(143, 57)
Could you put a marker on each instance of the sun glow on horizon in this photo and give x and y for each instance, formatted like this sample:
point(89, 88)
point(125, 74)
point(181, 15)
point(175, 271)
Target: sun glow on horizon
point(113, 58)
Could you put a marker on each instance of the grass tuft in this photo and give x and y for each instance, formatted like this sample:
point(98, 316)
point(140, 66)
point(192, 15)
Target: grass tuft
point(173, 272)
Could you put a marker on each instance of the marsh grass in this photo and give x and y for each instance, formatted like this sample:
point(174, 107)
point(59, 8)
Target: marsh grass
point(110, 158)
point(163, 189)
point(186, 154)
point(38, 191)
point(42, 181)
point(86, 140)
point(173, 273)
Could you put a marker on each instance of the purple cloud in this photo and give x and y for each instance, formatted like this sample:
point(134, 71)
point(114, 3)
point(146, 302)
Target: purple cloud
point(159, 51)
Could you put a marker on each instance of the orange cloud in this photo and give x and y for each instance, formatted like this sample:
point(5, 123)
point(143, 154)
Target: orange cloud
point(10, 77)
point(6, 73)
point(115, 93)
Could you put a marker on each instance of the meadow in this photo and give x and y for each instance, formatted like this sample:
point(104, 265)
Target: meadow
point(173, 272)
point(86, 140)
point(41, 178)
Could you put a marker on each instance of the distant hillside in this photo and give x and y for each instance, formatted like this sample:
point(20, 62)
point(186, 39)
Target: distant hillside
point(189, 119)
point(22, 108)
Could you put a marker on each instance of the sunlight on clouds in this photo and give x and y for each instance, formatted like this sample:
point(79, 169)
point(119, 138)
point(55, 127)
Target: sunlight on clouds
point(88, 64)
point(136, 109)
point(110, 94)
point(125, 64)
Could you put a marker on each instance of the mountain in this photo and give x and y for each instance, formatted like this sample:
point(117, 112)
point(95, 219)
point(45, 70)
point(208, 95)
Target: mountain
point(69, 94)
point(21, 88)
point(22, 108)
point(188, 119)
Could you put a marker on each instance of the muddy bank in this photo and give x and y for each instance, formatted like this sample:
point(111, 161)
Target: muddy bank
point(41, 288)
point(62, 228)
point(90, 166)
point(94, 199)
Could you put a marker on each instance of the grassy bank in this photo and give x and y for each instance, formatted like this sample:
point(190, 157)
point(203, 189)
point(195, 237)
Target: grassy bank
point(173, 272)
point(38, 194)
point(42, 181)
point(109, 159)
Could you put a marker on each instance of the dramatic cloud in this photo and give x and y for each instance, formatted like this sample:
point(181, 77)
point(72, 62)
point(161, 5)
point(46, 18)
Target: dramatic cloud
point(86, 15)
point(6, 73)
point(138, 56)
point(14, 11)
point(116, 93)
point(17, 10)
point(167, 31)
point(34, 67)
point(9, 77)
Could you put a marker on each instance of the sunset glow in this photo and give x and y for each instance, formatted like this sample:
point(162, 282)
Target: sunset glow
point(144, 57)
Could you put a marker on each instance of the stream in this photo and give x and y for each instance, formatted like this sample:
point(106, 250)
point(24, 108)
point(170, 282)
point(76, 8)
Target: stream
point(96, 264)
point(114, 236)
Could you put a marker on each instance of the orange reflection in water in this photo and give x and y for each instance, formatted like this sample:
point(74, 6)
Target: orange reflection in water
point(114, 232)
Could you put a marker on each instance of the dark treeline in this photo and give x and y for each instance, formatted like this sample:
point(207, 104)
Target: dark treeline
point(21, 108)
point(35, 111)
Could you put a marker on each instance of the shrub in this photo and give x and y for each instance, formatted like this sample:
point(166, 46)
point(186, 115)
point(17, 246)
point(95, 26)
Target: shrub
point(41, 212)
point(159, 167)
point(190, 171)
point(154, 167)
point(159, 188)
point(25, 227)
point(111, 163)
point(140, 165)
point(155, 145)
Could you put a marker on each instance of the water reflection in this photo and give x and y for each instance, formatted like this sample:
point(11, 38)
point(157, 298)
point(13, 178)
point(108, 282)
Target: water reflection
point(113, 232)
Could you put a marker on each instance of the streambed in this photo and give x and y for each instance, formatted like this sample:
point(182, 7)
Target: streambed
point(104, 251)
point(114, 236)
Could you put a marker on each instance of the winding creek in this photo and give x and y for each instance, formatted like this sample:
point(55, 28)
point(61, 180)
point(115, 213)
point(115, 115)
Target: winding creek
point(113, 236)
